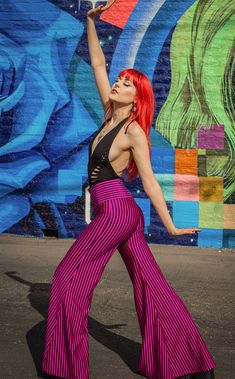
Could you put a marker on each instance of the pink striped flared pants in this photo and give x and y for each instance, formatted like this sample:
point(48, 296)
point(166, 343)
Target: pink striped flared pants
point(172, 345)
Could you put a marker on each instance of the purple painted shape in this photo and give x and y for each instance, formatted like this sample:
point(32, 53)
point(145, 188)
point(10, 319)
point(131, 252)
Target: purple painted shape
point(212, 138)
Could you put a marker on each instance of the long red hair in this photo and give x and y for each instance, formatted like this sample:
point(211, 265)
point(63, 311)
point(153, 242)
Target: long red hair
point(145, 105)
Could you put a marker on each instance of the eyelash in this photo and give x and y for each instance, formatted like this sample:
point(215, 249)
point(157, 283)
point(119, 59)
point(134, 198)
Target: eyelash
point(124, 83)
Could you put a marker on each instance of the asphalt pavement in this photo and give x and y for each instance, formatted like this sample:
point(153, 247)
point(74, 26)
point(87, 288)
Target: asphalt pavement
point(204, 278)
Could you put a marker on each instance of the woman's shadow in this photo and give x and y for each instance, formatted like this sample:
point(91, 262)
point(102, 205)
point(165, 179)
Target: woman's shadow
point(38, 296)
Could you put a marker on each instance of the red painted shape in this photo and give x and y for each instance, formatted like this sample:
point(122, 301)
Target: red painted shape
point(119, 12)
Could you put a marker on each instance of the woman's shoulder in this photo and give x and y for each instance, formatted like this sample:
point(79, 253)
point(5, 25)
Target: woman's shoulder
point(134, 129)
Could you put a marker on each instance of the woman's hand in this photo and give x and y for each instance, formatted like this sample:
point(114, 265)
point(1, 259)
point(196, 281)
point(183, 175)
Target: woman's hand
point(181, 231)
point(92, 13)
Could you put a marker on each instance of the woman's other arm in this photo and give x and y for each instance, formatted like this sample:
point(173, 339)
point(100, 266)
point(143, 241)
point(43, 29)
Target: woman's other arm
point(152, 188)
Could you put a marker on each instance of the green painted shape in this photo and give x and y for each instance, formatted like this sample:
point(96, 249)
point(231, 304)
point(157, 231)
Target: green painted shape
point(202, 60)
point(211, 215)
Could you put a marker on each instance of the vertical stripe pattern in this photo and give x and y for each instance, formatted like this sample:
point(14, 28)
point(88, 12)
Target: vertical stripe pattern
point(172, 345)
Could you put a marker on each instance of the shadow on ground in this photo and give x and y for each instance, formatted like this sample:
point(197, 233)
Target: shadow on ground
point(38, 296)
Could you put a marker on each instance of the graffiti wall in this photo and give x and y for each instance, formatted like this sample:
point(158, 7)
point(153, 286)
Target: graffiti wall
point(50, 109)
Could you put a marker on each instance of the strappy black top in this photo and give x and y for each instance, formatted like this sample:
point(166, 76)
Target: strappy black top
point(99, 167)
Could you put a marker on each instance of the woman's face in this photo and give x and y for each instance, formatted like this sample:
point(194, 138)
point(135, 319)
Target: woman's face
point(125, 91)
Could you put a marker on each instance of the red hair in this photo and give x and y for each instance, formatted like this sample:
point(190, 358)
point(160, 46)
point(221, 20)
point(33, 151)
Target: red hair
point(145, 104)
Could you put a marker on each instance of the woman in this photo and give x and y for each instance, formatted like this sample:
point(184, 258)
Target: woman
point(172, 346)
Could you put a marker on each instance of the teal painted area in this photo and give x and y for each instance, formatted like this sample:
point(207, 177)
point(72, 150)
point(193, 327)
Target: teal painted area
point(166, 182)
point(81, 81)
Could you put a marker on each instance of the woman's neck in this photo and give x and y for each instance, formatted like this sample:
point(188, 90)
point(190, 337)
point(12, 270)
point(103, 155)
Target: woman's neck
point(117, 116)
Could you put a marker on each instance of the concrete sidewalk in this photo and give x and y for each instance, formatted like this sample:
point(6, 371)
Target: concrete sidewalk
point(204, 278)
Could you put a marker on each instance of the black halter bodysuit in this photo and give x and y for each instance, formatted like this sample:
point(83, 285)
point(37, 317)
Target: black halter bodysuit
point(99, 167)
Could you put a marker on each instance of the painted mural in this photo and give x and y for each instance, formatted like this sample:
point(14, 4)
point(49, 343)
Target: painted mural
point(50, 109)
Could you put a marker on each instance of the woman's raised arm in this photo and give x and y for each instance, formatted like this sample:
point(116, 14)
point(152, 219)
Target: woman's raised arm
point(97, 57)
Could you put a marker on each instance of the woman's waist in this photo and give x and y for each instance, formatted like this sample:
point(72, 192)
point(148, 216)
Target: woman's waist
point(107, 190)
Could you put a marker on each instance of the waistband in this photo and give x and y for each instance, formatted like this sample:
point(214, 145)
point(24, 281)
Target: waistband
point(107, 190)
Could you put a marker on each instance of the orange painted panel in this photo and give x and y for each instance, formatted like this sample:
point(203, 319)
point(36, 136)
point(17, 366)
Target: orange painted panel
point(186, 161)
point(119, 12)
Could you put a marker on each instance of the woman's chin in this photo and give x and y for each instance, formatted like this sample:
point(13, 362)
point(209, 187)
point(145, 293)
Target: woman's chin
point(112, 96)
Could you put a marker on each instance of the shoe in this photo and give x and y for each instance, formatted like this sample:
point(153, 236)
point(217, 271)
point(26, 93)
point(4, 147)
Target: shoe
point(204, 375)
point(200, 375)
point(49, 376)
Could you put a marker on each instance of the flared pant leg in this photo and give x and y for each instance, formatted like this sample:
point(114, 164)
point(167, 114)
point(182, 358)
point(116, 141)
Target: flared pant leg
point(172, 345)
point(73, 283)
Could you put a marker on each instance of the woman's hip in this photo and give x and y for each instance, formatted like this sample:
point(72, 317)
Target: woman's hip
point(112, 200)
point(108, 190)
